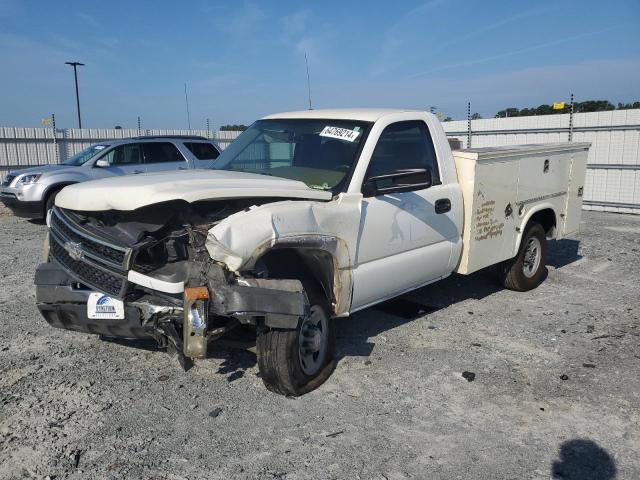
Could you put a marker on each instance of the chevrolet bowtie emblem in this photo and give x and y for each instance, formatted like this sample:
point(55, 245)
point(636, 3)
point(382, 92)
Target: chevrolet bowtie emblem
point(74, 249)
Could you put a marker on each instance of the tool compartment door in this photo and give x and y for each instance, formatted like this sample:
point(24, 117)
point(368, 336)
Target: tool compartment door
point(543, 178)
point(489, 188)
point(573, 211)
point(492, 233)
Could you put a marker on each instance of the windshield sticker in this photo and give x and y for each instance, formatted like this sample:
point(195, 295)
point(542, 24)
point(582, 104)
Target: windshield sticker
point(340, 133)
point(98, 147)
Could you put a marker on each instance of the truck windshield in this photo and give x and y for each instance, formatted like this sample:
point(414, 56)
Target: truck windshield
point(85, 155)
point(319, 153)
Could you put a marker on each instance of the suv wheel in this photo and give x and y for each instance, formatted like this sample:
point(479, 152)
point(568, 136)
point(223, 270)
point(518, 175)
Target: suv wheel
point(50, 203)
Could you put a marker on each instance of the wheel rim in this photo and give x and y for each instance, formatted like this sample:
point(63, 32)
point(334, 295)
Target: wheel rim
point(532, 257)
point(312, 341)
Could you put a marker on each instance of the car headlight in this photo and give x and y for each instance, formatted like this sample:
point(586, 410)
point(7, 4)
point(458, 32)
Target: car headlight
point(28, 179)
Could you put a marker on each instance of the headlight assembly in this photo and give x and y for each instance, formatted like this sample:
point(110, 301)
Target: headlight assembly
point(28, 179)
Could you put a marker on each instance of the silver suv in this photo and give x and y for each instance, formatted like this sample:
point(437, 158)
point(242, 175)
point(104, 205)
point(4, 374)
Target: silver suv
point(31, 192)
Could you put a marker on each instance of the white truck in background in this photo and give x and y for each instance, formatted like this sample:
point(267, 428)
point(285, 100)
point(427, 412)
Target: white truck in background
point(307, 216)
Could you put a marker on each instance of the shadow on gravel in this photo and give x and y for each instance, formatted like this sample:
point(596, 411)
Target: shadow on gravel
point(353, 333)
point(232, 350)
point(141, 344)
point(235, 361)
point(582, 459)
point(562, 252)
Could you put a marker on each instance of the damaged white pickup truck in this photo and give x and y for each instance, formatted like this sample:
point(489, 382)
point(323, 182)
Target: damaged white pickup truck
point(306, 217)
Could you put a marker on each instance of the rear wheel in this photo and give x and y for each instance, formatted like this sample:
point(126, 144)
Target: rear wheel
point(528, 269)
point(294, 362)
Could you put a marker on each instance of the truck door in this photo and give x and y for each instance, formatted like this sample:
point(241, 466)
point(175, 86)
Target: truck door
point(406, 239)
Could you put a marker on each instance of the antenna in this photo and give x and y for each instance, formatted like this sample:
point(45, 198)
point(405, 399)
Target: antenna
point(186, 101)
point(306, 61)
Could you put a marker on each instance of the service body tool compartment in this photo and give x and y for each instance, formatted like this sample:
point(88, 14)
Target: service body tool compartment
point(503, 186)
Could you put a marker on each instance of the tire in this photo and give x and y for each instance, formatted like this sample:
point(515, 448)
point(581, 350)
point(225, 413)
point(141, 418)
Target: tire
point(51, 201)
point(528, 269)
point(286, 367)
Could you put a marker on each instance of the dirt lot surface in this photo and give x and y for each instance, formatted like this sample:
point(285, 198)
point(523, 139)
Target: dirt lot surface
point(555, 390)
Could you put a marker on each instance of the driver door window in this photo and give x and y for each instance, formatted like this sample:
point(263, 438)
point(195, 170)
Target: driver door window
point(404, 146)
point(123, 160)
point(124, 155)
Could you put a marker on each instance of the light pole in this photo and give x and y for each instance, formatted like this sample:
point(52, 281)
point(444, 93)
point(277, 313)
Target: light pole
point(75, 65)
point(186, 101)
point(306, 62)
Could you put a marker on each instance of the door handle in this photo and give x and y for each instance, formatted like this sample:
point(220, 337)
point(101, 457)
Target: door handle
point(138, 171)
point(443, 205)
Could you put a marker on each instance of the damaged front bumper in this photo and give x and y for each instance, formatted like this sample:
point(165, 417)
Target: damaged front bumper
point(64, 306)
point(187, 320)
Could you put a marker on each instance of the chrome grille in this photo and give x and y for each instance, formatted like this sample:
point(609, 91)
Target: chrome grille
point(91, 275)
point(112, 255)
point(92, 261)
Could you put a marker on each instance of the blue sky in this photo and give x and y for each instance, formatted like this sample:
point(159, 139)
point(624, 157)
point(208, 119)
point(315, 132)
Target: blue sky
point(244, 59)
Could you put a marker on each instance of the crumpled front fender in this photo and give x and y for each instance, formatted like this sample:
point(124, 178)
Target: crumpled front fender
point(240, 239)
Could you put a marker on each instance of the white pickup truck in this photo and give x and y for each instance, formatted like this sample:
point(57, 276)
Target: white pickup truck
point(306, 217)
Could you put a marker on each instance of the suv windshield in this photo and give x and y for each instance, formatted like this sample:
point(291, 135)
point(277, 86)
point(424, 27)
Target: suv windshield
point(318, 152)
point(87, 154)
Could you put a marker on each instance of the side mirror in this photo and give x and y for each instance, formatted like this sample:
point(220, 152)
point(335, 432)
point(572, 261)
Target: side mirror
point(396, 182)
point(102, 164)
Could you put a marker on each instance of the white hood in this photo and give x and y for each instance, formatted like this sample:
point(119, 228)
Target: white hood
point(134, 191)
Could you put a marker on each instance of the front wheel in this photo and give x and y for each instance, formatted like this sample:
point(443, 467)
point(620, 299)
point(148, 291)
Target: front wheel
point(528, 269)
point(294, 362)
point(50, 203)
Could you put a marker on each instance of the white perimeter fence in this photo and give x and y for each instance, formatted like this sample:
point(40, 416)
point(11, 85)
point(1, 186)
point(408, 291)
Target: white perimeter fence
point(613, 174)
point(24, 147)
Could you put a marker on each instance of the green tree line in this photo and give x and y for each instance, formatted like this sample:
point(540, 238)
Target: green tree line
point(578, 107)
point(233, 128)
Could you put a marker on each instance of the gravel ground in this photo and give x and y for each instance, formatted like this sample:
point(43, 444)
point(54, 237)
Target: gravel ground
point(551, 387)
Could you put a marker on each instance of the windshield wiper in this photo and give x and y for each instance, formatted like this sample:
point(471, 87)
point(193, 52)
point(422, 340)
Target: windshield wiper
point(243, 170)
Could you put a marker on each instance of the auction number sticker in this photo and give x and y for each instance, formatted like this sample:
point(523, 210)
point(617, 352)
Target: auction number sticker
point(101, 306)
point(340, 133)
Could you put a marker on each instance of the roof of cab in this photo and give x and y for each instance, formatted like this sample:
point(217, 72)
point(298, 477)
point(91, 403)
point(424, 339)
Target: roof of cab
point(361, 114)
